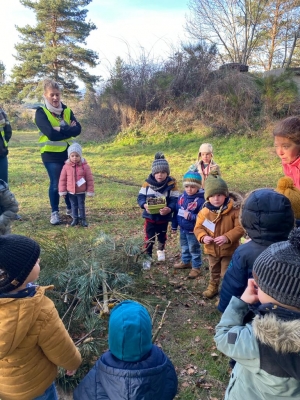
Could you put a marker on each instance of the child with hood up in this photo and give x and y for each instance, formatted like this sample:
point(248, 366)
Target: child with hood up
point(261, 330)
point(133, 368)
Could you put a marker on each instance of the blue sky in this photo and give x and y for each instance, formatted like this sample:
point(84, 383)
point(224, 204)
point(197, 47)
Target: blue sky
point(123, 27)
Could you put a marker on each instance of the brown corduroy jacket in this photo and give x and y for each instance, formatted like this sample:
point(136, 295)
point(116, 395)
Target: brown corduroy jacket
point(226, 223)
point(33, 343)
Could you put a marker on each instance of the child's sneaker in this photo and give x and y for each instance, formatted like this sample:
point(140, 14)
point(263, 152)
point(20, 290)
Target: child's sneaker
point(147, 264)
point(54, 220)
point(161, 255)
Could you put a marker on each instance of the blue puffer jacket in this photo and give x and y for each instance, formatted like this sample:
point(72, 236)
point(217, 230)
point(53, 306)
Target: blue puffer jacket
point(193, 205)
point(267, 217)
point(113, 379)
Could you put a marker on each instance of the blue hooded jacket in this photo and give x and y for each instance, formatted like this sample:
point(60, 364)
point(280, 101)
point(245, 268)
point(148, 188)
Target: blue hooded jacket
point(193, 205)
point(133, 368)
point(267, 217)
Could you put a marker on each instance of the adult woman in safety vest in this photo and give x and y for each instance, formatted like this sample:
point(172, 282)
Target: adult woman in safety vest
point(58, 126)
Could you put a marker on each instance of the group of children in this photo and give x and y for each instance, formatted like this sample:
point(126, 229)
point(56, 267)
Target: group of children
point(260, 294)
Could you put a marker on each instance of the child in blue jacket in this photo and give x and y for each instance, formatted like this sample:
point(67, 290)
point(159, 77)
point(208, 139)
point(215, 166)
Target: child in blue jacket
point(267, 217)
point(188, 206)
point(133, 368)
point(158, 184)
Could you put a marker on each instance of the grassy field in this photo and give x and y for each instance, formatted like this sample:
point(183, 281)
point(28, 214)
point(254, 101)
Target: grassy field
point(119, 169)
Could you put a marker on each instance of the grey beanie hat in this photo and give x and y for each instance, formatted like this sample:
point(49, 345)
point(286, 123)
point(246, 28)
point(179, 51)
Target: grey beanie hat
point(160, 164)
point(75, 148)
point(277, 270)
point(18, 256)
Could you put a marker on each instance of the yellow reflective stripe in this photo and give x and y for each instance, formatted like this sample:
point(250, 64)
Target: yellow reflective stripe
point(3, 137)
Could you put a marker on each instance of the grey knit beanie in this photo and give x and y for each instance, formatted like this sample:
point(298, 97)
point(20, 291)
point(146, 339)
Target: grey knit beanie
point(75, 148)
point(18, 256)
point(160, 164)
point(277, 270)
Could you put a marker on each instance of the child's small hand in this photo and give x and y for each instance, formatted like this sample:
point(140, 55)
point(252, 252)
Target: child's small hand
point(220, 240)
point(146, 207)
point(70, 372)
point(186, 214)
point(165, 211)
point(250, 294)
point(207, 239)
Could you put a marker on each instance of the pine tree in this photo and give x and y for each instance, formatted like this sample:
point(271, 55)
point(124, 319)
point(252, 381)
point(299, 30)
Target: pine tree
point(52, 47)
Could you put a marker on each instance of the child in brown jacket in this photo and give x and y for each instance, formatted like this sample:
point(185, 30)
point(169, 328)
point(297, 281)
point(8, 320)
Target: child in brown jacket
point(34, 341)
point(218, 227)
point(77, 180)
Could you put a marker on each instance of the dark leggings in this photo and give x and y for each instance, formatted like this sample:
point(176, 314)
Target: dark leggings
point(152, 230)
point(77, 203)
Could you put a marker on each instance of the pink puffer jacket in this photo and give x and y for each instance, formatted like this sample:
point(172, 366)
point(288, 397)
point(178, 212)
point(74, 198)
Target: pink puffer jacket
point(73, 173)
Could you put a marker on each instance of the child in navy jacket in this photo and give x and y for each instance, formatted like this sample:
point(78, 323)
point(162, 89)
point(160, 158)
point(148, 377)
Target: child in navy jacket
point(158, 184)
point(133, 368)
point(188, 206)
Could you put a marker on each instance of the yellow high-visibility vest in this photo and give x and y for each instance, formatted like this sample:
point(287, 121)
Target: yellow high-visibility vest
point(51, 145)
point(3, 137)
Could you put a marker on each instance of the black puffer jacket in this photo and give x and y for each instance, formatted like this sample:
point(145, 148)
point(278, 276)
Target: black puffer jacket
point(8, 208)
point(267, 217)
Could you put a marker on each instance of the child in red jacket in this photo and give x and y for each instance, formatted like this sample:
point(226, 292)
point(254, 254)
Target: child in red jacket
point(76, 179)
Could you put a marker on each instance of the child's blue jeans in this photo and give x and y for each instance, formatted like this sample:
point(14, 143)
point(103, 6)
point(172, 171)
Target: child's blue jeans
point(49, 394)
point(190, 249)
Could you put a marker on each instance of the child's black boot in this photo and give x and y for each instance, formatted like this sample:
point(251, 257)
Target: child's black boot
point(74, 222)
point(84, 223)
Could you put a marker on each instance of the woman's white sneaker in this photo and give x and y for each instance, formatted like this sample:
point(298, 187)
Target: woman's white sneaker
point(54, 220)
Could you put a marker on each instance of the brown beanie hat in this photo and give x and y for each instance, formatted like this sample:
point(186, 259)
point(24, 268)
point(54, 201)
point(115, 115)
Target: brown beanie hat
point(285, 186)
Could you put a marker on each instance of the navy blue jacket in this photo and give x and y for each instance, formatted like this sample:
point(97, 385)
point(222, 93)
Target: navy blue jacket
point(268, 218)
point(170, 192)
point(193, 205)
point(154, 377)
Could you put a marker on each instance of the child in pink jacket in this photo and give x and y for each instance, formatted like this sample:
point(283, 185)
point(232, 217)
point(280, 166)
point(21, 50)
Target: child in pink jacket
point(76, 179)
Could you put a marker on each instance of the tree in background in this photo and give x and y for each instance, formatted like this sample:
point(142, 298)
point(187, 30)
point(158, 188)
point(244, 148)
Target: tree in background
point(2, 73)
point(52, 48)
point(230, 24)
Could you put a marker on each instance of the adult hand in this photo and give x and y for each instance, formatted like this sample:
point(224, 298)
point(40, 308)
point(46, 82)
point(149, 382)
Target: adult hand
point(250, 294)
point(220, 240)
point(73, 123)
point(57, 128)
point(207, 239)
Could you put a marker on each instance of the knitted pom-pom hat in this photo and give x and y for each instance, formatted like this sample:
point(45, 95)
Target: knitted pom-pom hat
point(277, 270)
point(285, 186)
point(18, 256)
point(129, 331)
point(214, 184)
point(160, 164)
point(192, 177)
point(75, 148)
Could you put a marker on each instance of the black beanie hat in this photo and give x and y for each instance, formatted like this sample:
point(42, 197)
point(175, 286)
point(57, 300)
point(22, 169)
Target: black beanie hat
point(277, 270)
point(18, 256)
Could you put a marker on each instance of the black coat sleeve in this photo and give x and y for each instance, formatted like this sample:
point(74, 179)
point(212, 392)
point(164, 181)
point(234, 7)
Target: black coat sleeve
point(65, 132)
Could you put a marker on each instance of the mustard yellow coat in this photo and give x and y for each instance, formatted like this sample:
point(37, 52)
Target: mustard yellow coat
point(33, 343)
point(226, 223)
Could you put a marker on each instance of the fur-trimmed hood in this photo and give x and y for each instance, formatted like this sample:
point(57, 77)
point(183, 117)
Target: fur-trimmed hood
point(282, 336)
point(237, 199)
